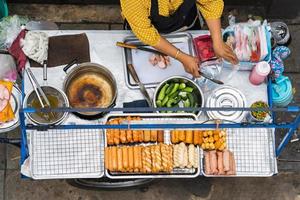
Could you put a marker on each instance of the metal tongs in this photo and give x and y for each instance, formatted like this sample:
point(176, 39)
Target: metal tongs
point(44, 101)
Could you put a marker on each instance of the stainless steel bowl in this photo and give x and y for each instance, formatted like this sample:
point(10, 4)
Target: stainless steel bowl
point(197, 92)
point(62, 102)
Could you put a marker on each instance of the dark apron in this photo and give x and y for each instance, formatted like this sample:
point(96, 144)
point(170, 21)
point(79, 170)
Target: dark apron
point(184, 16)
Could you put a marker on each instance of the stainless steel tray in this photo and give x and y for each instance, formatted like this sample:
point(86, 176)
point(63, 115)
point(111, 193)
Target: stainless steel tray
point(254, 152)
point(67, 153)
point(127, 55)
point(174, 118)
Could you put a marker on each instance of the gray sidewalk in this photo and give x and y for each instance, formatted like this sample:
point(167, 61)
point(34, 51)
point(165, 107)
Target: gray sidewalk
point(286, 185)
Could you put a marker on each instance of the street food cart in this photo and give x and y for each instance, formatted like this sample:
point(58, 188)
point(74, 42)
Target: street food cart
point(78, 147)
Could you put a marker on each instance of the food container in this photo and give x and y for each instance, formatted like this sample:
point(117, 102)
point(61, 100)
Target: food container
point(90, 85)
point(226, 97)
point(265, 115)
point(15, 102)
point(156, 119)
point(197, 92)
point(204, 48)
point(282, 91)
point(60, 99)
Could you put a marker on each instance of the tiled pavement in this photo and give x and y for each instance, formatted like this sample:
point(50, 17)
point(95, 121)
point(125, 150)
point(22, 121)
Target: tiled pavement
point(285, 185)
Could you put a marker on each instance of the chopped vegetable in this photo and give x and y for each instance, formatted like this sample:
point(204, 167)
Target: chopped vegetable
point(188, 89)
point(182, 86)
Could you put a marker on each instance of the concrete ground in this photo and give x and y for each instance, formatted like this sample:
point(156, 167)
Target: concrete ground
point(284, 186)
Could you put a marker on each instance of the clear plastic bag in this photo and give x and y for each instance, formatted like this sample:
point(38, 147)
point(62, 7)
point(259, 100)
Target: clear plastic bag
point(10, 27)
point(8, 69)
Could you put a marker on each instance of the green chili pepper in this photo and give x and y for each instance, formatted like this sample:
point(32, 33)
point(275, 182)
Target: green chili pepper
point(188, 89)
point(164, 101)
point(186, 103)
point(175, 88)
point(158, 103)
point(162, 94)
point(191, 99)
point(169, 89)
point(175, 94)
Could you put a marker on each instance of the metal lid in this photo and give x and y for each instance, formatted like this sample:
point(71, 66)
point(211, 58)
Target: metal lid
point(226, 97)
point(15, 104)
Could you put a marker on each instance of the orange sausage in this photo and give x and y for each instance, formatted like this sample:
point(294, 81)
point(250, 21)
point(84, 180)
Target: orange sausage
point(125, 158)
point(120, 159)
point(130, 159)
point(160, 136)
point(106, 155)
point(147, 135)
point(181, 135)
point(114, 158)
point(153, 136)
point(189, 136)
point(226, 160)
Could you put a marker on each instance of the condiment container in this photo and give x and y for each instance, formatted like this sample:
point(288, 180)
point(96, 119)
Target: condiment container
point(251, 115)
point(282, 91)
point(259, 73)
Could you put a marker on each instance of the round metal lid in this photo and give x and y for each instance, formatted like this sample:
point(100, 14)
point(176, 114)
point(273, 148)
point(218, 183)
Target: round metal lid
point(226, 97)
point(15, 104)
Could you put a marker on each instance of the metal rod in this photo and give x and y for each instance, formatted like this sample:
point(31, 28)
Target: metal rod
point(151, 109)
point(288, 136)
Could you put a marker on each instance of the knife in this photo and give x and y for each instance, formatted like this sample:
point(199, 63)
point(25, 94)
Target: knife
point(131, 46)
point(211, 79)
point(141, 85)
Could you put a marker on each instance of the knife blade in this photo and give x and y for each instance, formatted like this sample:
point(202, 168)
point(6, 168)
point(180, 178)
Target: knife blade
point(141, 85)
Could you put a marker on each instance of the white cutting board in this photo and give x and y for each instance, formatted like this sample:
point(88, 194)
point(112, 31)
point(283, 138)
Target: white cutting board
point(150, 74)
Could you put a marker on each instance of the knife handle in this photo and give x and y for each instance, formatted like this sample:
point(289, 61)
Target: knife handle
point(129, 46)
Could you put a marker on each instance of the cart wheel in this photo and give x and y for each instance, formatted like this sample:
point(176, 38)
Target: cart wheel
point(109, 184)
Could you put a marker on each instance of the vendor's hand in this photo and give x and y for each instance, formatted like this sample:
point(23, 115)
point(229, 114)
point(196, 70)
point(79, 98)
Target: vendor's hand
point(190, 63)
point(222, 50)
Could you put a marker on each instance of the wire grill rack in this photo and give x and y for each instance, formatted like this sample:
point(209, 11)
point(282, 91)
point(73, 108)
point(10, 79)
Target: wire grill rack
point(253, 150)
point(67, 153)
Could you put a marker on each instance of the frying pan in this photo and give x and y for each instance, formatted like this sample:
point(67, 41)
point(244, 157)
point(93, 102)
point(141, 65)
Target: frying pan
point(90, 85)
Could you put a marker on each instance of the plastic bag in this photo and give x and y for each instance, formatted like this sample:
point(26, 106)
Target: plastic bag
point(8, 69)
point(10, 27)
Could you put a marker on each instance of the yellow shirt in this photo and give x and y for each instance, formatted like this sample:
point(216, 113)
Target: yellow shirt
point(137, 13)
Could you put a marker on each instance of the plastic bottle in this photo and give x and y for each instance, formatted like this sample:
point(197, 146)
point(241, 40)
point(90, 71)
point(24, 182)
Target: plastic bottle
point(259, 73)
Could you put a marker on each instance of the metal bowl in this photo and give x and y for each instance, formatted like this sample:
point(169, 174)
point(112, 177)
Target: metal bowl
point(95, 70)
point(62, 102)
point(197, 92)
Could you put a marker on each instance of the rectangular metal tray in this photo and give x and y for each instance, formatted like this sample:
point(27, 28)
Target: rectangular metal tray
point(67, 153)
point(254, 152)
point(177, 173)
point(127, 55)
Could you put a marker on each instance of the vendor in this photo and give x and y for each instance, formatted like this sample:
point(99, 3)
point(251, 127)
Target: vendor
point(148, 18)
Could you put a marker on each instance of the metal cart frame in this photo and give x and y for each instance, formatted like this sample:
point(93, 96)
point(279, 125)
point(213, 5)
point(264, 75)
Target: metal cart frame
point(290, 126)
